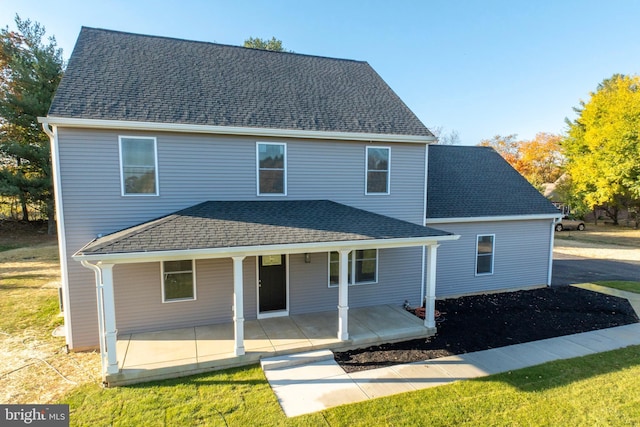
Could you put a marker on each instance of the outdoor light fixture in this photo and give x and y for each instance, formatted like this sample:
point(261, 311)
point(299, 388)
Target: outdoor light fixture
point(307, 258)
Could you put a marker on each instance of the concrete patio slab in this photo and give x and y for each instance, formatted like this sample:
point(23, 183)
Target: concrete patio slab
point(284, 333)
point(210, 347)
point(214, 339)
point(156, 349)
point(319, 328)
point(255, 338)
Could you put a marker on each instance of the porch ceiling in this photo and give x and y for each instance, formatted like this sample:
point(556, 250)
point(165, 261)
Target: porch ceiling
point(229, 227)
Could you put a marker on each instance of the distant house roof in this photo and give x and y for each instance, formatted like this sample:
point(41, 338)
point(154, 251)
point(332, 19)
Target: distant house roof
point(120, 76)
point(465, 182)
point(236, 224)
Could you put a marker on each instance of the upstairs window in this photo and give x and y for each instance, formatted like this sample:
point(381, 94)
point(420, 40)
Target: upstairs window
point(484, 258)
point(178, 283)
point(363, 266)
point(138, 166)
point(377, 174)
point(272, 168)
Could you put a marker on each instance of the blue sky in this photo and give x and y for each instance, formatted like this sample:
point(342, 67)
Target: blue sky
point(479, 68)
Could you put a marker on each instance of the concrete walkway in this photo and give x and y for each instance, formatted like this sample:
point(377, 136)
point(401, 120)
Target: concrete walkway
point(310, 382)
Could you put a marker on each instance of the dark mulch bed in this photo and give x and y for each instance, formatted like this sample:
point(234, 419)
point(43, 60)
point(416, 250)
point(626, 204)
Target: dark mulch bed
point(481, 322)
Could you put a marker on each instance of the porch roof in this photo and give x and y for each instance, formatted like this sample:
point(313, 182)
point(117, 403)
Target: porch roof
point(233, 226)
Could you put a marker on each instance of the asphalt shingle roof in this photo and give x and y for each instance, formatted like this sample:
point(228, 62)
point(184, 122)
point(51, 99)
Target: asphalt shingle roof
point(468, 182)
point(226, 224)
point(121, 76)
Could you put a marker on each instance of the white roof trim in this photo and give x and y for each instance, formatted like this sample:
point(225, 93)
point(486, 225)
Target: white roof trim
point(431, 221)
point(137, 257)
point(231, 130)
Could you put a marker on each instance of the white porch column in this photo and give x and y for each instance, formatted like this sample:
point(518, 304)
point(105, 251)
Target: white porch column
point(110, 332)
point(238, 305)
point(343, 296)
point(430, 312)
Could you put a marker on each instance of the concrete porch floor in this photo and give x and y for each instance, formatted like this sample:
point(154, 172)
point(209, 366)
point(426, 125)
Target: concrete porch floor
point(180, 352)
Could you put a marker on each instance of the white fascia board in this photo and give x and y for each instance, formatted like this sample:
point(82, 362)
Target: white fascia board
point(232, 130)
point(138, 257)
point(431, 221)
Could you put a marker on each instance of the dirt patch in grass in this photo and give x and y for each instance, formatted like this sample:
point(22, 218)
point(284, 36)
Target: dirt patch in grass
point(34, 365)
point(482, 322)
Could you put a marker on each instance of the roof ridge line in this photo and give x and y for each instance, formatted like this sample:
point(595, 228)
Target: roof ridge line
point(219, 44)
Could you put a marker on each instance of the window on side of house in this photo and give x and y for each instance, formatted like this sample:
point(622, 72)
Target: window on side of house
point(378, 174)
point(484, 258)
point(363, 266)
point(178, 281)
point(272, 168)
point(138, 166)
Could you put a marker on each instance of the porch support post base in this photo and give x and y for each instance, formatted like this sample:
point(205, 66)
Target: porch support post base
point(430, 312)
point(343, 327)
point(343, 296)
point(238, 306)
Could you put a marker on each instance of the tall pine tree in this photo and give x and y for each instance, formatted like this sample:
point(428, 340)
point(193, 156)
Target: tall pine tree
point(30, 71)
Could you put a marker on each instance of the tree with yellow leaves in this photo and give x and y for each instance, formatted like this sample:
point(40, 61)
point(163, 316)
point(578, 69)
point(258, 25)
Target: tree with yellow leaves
point(602, 147)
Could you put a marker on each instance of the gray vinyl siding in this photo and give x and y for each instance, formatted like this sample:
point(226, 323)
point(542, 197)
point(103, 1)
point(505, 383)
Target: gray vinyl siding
point(193, 168)
point(399, 279)
point(521, 257)
point(138, 296)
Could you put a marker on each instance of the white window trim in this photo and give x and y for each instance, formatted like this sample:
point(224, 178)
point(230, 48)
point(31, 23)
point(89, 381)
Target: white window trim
point(493, 253)
point(155, 157)
point(352, 255)
point(193, 272)
point(366, 172)
point(258, 143)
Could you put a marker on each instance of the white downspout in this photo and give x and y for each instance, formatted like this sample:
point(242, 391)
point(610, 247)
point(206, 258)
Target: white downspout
point(98, 272)
point(424, 222)
point(551, 243)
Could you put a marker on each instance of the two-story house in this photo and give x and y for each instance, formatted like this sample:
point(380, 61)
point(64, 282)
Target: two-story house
point(203, 184)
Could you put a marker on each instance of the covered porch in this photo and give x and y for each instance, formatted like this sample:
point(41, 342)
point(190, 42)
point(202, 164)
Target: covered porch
point(178, 352)
point(244, 230)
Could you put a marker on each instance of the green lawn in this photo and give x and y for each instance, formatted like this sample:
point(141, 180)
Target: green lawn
point(622, 285)
point(601, 389)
